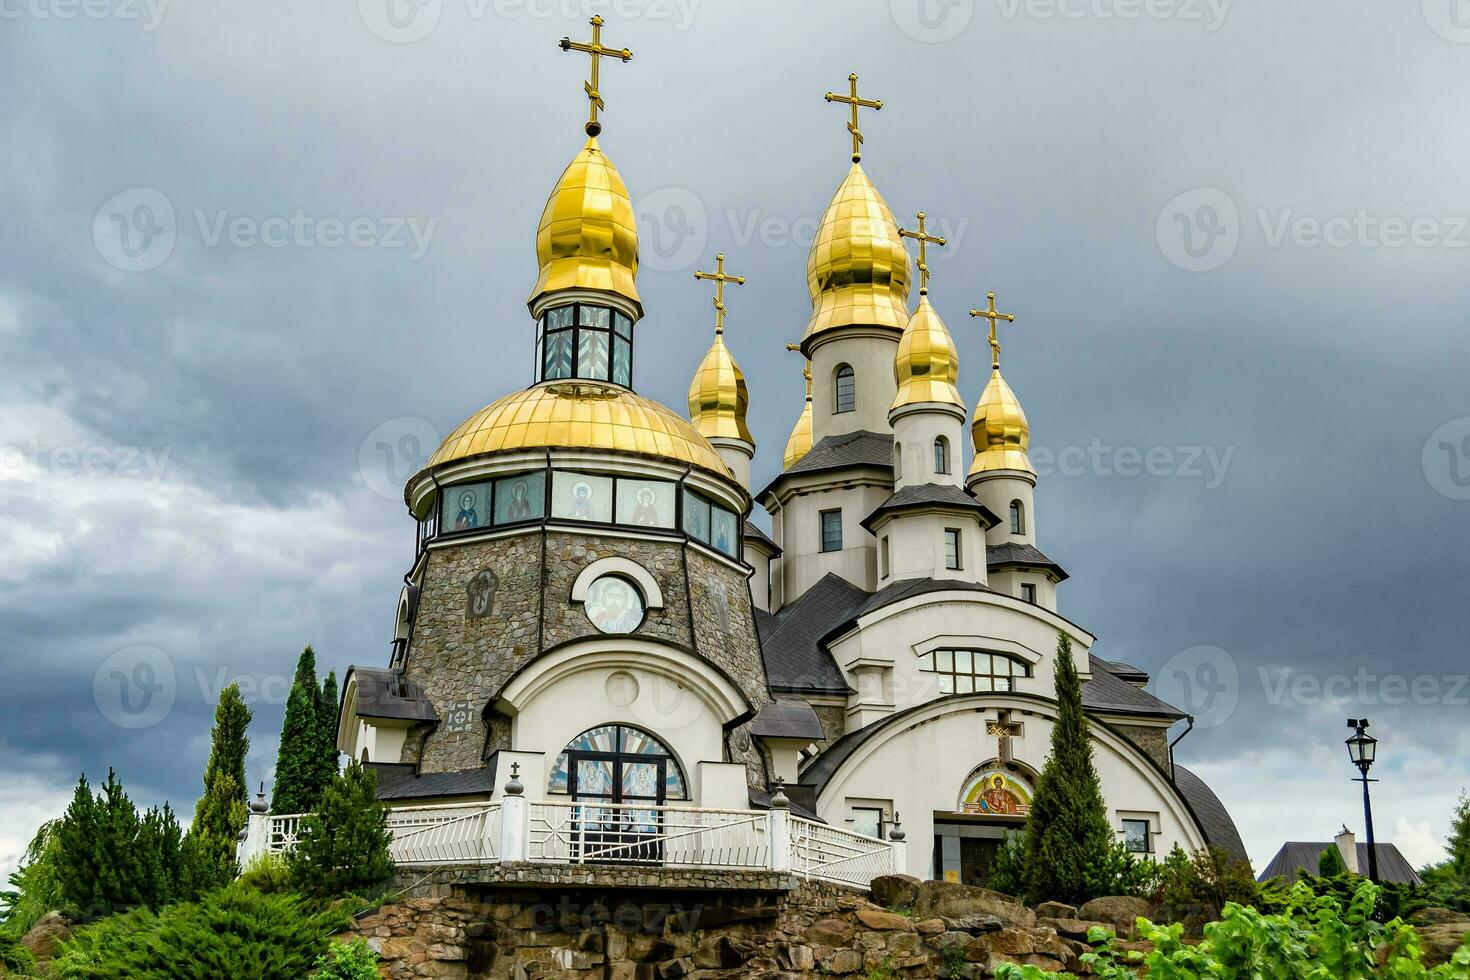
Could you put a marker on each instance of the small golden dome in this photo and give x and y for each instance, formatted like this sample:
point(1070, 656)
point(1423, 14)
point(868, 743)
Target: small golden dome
point(579, 415)
point(858, 270)
point(800, 442)
point(1000, 431)
point(717, 396)
point(588, 237)
point(927, 366)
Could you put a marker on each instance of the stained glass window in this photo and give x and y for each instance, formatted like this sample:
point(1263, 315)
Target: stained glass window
point(582, 340)
point(696, 516)
point(646, 503)
point(614, 605)
point(619, 742)
point(520, 498)
point(465, 507)
point(622, 362)
point(724, 534)
point(582, 497)
point(556, 354)
point(592, 354)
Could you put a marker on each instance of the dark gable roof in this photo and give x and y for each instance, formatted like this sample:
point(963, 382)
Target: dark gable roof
point(1296, 855)
point(788, 718)
point(932, 495)
point(791, 640)
point(386, 693)
point(1022, 555)
point(859, 448)
point(1127, 671)
point(751, 531)
point(1213, 818)
point(908, 588)
point(463, 782)
point(1107, 693)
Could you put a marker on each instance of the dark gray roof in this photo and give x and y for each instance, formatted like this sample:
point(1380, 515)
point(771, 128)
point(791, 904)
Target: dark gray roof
point(1213, 818)
point(1023, 555)
point(386, 693)
point(463, 782)
point(761, 800)
point(859, 448)
point(787, 718)
point(1296, 855)
point(1127, 671)
point(751, 531)
point(908, 588)
point(791, 640)
point(1106, 692)
point(932, 495)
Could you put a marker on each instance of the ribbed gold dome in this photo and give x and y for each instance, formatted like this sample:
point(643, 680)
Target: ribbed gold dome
point(717, 396)
point(579, 415)
point(1000, 431)
point(927, 366)
point(588, 237)
point(858, 270)
point(800, 442)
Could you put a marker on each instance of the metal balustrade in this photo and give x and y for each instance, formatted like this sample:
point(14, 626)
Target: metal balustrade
point(664, 836)
point(831, 853)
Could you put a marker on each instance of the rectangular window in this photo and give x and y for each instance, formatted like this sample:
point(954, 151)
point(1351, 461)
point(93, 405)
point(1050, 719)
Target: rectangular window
point(1136, 836)
point(622, 362)
point(867, 821)
point(696, 517)
point(556, 355)
point(520, 498)
point(831, 530)
point(582, 497)
point(952, 548)
point(646, 503)
point(883, 557)
point(1028, 592)
point(466, 507)
point(724, 531)
point(592, 353)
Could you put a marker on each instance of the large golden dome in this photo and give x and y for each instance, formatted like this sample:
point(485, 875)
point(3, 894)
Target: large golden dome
point(588, 237)
point(717, 396)
point(858, 270)
point(1000, 431)
point(927, 366)
point(579, 415)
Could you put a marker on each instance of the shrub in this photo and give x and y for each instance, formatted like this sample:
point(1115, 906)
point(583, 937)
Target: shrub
point(267, 873)
point(1008, 871)
point(347, 961)
point(234, 932)
point(1117, 871)
point(343, 846)
point(1194, 889)
point(37, 883)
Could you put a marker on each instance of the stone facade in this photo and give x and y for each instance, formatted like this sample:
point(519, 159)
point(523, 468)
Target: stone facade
point(1153, 741)
point(457, 656)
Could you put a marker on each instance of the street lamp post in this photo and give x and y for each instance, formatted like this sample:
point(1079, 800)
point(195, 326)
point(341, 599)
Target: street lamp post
point(1362, 749)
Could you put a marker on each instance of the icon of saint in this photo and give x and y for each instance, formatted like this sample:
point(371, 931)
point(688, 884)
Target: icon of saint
point(468, 517)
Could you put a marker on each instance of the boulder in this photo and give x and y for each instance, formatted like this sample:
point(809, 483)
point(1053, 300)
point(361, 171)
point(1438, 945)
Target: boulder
point(46, 935)
point(895, 891)
point(1439, 942)
point(1434, 916)
point(1071, 928)
point(1056, 910)
point(950, 901)
point(1119, 911)
point(882, 921)
point(829, 932)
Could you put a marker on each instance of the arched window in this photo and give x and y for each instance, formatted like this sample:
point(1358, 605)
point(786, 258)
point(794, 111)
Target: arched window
point(941, 455)
point(1018, 518)
point(618, 764)
point(846, 389)
point(969, 671)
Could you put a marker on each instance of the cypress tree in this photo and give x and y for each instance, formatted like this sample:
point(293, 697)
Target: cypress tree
point(1330, 863)
point(1068, 831)
point(215, 812)
point(298, 782)
point(326, 724)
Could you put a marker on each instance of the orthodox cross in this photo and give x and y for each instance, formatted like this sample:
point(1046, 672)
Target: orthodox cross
point(719, 278)
point(596, 49)
point(806, 370)
point(1003, 731)
point(990, 314)
point(923, 238)
point(856, 103)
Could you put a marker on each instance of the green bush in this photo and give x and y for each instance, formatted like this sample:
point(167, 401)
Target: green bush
point(1330, 863)
point(1194, 889)
point(343, 846)
point(15, 958)
point(1116, 871)
point(37, 883)
point(347, 961)
point(267, 873)
point(234, 932)
point(1008, 871)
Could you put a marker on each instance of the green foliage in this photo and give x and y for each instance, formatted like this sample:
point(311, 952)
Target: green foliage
point(347, 961)
point(1117, 871)
point(1194, 889)
point(15, 958)
point(1008, 871)
point(1395, 900)
point(37, 883)
point(326, 730)
point(233, 932)
point(1448, 882)
point(221, 812)
point(1067, 832)
point(267, 873)
point(299, 769)
point(343, 846)
point(1330, 863)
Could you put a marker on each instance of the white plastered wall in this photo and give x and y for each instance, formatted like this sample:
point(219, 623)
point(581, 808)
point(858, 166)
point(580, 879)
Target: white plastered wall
point(870, 353)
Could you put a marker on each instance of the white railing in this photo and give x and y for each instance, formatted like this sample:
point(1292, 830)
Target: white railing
point(664, 836)
point(515, 830)
point(834, 854)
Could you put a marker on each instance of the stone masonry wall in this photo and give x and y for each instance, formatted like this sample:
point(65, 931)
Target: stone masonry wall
point(1153, 741)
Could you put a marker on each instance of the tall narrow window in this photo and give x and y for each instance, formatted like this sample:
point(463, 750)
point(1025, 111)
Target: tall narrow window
point(883, 557)
point(1028, 592)
point(846, 390)
point(941, 455)
point(1018, 518)
point(952, 546)
point(897, 461)
point(831, 530)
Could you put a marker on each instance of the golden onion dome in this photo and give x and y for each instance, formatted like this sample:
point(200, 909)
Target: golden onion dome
point(927, 366)
point(858, 270)
point(588, 236)
point(800, 442)
point(579, 415)
point(717, 396)
point(1000, 431)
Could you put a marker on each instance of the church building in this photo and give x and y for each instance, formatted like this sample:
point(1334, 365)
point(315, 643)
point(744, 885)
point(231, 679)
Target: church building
point(595, 613)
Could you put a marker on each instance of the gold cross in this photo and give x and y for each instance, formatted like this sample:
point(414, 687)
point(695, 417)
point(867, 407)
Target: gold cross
point(990, 314)
point(856, 103)
point(806, 370)
point(923, 239)
point(598, 52)
point(719, 278)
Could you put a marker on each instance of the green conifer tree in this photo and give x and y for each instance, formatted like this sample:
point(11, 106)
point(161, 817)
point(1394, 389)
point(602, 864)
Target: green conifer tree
point(343, 847)
point(326, 727)
point(221, 812)
point(298, 782)
point(1330, 863)
point(77, 846)
point(1068, 831)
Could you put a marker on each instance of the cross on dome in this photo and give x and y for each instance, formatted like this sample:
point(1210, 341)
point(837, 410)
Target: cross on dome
point(856, 103)
point(598, 51)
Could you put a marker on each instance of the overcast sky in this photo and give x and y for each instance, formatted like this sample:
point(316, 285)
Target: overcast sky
point(256, 258)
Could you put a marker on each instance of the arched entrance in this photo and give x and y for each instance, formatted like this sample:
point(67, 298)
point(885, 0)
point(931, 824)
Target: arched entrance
point(993, 804)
